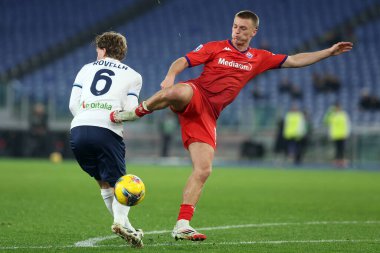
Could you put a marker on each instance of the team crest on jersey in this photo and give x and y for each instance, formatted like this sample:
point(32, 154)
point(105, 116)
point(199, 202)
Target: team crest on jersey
point(249, 55)
point(198, 48)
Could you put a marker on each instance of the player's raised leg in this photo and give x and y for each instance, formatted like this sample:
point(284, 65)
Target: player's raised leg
point(177, 97)
point(202, 155)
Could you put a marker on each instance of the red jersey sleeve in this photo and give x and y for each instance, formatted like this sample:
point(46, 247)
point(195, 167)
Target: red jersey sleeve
point(270, 60)
point(202, 54)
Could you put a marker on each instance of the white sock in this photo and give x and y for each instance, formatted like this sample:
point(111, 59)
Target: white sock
point(107, 195)
point(182, 223)
point(120, 214)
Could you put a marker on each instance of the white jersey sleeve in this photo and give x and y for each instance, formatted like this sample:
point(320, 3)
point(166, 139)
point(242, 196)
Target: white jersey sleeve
point(76, 92)
point(101, 87)
point(133, 95)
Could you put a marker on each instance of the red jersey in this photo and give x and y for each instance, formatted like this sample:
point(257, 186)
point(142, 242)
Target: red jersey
point(227, 70)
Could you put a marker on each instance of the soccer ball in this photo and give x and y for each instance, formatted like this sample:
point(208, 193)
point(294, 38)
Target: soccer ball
point(129, 190)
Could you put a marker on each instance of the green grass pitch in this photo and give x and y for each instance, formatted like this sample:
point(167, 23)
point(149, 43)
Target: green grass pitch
point(46, 207)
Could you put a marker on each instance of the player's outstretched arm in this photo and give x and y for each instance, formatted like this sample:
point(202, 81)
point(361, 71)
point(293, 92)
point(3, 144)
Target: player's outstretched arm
point(305, 59)
point(177, 67)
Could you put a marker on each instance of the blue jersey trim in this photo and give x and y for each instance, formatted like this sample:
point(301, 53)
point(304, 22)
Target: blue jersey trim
point(282, 62)
point(188, 61)
point(133, 94)
point(77, 85)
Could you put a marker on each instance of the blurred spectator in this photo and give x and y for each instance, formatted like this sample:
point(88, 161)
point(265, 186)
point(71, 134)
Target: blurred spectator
point(258, 94)
point(338, 123)
point(346, 33)
point(280, 143)
point(376, 103)
point(332, 82)
point(318, 83)
point(296, 92)
point(294, 131)
point(349, 34)
point(326, 83)
point(305, 140)
point(167, 125)
point(251, 150)
point(285, 85)
point(38, 132)
point(331, 37)
point(367, 101)
point(3, 144)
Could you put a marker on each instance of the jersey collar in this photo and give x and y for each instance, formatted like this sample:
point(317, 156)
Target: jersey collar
point(243, 52)
point(111, 59)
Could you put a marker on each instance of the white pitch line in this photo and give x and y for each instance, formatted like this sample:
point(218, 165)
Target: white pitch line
point(266, 242)
point(204, 243)
point(92, 241)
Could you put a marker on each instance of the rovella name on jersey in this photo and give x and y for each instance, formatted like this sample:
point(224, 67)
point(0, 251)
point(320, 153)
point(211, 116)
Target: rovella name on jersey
point(110, 64)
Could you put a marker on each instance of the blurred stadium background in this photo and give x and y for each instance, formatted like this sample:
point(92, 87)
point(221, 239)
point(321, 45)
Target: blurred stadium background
point(45, 43)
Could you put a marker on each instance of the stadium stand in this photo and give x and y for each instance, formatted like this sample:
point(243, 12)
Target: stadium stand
point(158, 37)
point(170, 36)
point(40, 24)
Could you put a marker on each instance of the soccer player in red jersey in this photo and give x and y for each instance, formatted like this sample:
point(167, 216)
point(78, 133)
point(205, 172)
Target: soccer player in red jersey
point(228, 66)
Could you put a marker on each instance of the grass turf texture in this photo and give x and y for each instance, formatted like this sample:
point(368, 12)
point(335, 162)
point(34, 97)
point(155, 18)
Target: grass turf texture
point(48, 207)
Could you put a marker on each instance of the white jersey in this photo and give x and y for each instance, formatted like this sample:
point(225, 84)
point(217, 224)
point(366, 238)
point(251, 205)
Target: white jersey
point(101, 87)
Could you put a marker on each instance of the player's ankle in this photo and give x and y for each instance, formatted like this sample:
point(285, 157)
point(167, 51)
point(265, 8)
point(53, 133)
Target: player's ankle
point(186, 212)
point(142, 110)
point(183, 223)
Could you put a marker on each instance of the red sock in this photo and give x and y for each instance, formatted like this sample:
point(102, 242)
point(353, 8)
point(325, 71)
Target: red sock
point(141, 111)
point(186, 212)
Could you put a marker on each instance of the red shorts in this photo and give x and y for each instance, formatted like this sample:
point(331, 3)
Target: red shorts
point(197, 121)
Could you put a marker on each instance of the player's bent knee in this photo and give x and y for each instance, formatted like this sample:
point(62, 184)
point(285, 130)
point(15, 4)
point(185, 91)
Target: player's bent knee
point(204, 173)
point(179, 93)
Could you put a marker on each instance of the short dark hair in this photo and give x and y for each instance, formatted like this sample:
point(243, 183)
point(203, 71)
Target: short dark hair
point(249, 15)
point(114, 43)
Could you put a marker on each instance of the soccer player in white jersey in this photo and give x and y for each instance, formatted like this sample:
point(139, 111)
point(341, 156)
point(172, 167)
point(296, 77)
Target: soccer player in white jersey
point(99, 88)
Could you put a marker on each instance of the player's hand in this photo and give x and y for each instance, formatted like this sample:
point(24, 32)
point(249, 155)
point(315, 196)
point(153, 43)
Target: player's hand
point(114, 116)
point(167, 82)
point(341, 47)
point(122, 115)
